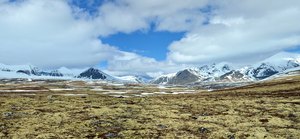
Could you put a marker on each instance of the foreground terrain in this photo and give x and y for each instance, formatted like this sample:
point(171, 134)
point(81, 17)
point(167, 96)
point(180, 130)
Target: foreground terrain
point(64, 109)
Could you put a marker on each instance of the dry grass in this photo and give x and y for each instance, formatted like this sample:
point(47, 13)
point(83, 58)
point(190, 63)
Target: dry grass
point(264, 110)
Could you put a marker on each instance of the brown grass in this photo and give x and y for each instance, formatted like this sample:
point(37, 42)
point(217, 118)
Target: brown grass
point(265, 110)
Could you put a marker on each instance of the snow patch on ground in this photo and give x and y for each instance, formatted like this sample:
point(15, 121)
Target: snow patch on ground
point(18, 91)
point(146, 94)
point(163, 93)
point(114, 93)
point(62, 89)
point(72, 94)
point(161, 87)
point(119, 96)
point(97, 89)
point(186, 92)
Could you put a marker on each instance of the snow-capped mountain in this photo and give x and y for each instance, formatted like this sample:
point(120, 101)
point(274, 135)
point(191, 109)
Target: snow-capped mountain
point(135, 79)
point(275, 64)
point(181, 77)
point(28, 71)
point(283, 60)
point(93, 73)
point(224, 72)
point(70, 72)
point(203, 73)
point(164, 79)
point(234, 76)
point(15, 68)
point(214, 70)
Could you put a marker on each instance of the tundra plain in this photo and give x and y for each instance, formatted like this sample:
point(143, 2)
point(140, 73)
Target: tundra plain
point(77, 109)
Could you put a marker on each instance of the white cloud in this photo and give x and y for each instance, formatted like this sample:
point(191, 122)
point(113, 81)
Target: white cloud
point(240, 33)
point(52, 33)
point(45, 33)
point(131, 15)
point(230, 30)
point(131, 63)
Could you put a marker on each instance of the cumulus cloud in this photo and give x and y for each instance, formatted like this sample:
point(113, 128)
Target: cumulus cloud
point(131, 63)
point(51, 34)
point(247, 31)
point(55, 33)
point(168, 15)
point(217, 30)
point(46, 34)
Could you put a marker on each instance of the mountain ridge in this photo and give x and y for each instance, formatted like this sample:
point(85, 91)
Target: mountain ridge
point(225, 72)
point(216, 72)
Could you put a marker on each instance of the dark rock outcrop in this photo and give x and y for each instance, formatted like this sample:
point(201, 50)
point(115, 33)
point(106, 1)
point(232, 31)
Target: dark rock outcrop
point(93, 73)
point(232, 76)
point(56, 73)
point(264, 71)
point(24, 72)
point(184, 77)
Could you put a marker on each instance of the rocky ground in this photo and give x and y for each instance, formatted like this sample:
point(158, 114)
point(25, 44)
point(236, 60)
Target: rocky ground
point(62, 109)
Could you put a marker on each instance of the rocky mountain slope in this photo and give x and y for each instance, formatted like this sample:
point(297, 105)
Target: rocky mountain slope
point(93, 73)
point(27, 71)
point(225, 72)
point(214, 73)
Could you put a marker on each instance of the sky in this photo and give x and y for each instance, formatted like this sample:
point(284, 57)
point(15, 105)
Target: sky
point(149, 44)
point(153, 37)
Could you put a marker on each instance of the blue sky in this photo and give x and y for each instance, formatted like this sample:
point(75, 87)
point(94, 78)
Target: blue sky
point(295, 49)
point(145, 36)
point(150, 43)
point(89, 5)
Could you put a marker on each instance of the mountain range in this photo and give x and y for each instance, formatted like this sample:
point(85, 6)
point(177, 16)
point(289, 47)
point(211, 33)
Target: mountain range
point(213, 73)
point(225, 72)
point(29, 71)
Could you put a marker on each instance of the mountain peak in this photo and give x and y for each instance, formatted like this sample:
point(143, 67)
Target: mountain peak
point(282, 57)
point(224, 66)
point(226, 72)
point(93, 73)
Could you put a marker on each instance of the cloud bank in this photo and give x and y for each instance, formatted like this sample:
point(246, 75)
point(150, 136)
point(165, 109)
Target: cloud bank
point(47, 34)
point(55, 33)
point(241, 33)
